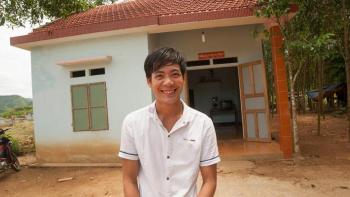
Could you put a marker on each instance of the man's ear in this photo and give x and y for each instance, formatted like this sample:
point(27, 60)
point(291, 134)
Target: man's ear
point(149, 81)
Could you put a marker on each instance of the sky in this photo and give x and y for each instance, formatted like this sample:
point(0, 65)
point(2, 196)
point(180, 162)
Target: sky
point(15, 66)
point(15, 69)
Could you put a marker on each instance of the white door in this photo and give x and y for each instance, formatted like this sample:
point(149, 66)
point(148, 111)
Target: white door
point(253, 92)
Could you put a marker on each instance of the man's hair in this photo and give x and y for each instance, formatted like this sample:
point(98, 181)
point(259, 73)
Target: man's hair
point(163, 57)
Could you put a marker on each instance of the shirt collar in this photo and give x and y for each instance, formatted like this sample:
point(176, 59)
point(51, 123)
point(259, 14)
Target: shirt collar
point(185, 114)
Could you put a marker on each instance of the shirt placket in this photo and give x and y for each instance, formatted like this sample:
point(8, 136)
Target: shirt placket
point(173, 137)
point(168, 163)
point(167, 157)
point(170, 139)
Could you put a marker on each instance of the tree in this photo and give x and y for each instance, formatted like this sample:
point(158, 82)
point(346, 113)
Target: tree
point(278, 10)
point(341, 26)
point(19, 12)
point(304, 36)
point(19, 111)
point(338, 22)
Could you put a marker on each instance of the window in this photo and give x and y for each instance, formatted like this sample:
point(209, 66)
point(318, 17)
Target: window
point(227, 60)
point(89, 106)
point(97, 71)
point(198, 63)
point(78, 73)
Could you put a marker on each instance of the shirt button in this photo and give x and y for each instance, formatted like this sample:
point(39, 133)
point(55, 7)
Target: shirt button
point(168, 135)
point(167, 178)
point(168, 157)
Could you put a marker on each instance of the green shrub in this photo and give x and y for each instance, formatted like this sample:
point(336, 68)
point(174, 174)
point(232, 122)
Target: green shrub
point(15, 145)
point(19, 111)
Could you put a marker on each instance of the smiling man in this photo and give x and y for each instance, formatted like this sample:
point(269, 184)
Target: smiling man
point(166, 144)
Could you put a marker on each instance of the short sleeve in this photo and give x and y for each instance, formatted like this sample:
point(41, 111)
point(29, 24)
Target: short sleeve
point(209, 153)
point(127, 144)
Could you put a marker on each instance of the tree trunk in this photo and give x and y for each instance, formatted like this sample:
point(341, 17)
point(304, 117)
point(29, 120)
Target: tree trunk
point(321, 90)
point(347, 67)
point(303, 90)
point(294, 113)
point(320, 97)
point(347, 61)
point(273, 105)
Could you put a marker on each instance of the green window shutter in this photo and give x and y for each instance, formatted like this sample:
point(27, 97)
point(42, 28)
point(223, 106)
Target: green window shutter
point(79, 96)
point(81, 119)
point(99, 119)
point(80, 107)
point(97, 95)
point(98, 106)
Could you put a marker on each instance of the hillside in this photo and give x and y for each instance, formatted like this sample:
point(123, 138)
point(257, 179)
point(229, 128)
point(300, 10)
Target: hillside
point(13, 101)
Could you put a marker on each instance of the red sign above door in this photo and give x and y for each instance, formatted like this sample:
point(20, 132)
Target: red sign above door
point(211, 55)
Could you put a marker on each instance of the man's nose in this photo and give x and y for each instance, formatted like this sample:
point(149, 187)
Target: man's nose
point(168, 81)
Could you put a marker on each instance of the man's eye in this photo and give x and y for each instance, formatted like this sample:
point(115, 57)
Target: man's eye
point(158, 76)
point(176, 74)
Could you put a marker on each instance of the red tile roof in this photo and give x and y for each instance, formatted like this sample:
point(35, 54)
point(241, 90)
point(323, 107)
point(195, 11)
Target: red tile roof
point(136, 13)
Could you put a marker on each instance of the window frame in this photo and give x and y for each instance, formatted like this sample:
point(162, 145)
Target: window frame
point(89, 107)
point(75, 71)
point(94, 69)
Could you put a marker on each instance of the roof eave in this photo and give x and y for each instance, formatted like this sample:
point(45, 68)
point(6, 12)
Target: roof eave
point(25, 41)
point(153, 25)
point(99, 34)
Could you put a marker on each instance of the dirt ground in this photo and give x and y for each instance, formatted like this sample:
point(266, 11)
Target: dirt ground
point(322, 170)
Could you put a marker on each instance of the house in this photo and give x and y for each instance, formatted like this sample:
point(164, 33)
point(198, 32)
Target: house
point(5, 122)
point(29, 116)
point(87, 73)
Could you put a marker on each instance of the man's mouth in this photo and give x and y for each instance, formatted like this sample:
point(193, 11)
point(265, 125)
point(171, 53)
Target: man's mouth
point(168, 92)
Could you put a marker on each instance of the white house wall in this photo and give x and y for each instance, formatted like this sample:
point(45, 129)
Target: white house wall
point(126, 91)
point(235, 41)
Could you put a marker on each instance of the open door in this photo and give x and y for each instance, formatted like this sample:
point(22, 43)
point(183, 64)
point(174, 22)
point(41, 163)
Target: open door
point(253, 93)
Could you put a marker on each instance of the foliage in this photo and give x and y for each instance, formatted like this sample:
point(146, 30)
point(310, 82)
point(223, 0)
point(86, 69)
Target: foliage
point(273, 8)
point(15, 144)
point(20, 111)
point(267, 55)
point(102, 2)
point(305, 42)
point(309, 37)
point(314, 39)
point(335, 70)
point(339, 23)
point(10, 102)
point(20, 12)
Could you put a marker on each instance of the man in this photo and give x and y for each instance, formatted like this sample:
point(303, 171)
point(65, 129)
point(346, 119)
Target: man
point(166, 144)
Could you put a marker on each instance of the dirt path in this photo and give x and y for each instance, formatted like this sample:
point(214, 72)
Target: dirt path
point(237, 178)
point(323, 171)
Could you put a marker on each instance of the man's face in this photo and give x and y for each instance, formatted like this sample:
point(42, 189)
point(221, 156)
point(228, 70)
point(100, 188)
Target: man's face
point(166, 84)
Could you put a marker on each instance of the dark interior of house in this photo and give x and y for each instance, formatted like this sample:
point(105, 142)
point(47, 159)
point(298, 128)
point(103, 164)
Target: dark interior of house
point(215, 92)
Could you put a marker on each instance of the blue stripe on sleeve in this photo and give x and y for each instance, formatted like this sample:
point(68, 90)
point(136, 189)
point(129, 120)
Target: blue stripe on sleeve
point(128, 153)
point(210, 159)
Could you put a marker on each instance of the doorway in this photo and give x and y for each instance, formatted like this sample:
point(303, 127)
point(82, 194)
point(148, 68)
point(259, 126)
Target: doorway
point(215, 92)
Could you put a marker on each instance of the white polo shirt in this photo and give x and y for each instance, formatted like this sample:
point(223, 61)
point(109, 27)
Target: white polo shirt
point(170, 161)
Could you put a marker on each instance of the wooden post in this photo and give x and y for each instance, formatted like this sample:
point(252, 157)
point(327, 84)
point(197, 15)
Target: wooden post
point(280, 76)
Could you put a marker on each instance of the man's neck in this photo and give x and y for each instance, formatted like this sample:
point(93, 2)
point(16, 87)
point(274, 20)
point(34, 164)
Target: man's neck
point(169, 114)
point(166, 111)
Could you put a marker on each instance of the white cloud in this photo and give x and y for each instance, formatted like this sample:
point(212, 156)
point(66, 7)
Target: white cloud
point(15, 70)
